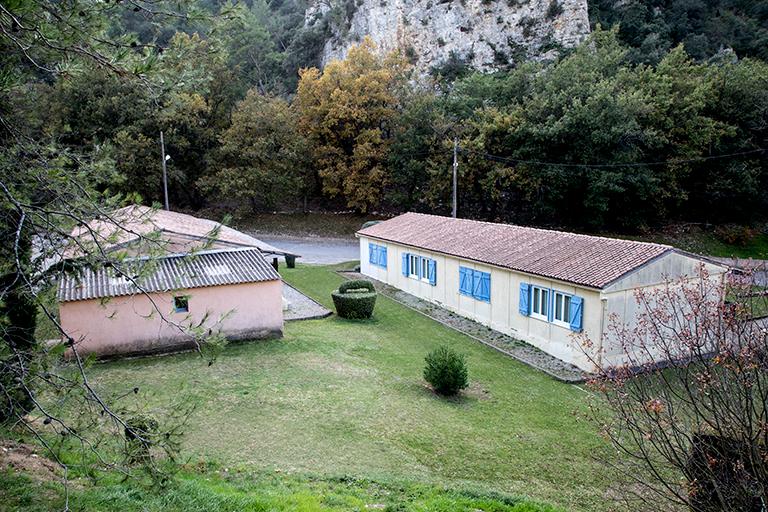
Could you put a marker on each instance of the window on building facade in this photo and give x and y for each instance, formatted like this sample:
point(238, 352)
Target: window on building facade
point(561, 310)
point(377, 255)
point(540, 303)
point(413, 265)
point(181, 304)
point(425, 269)
point(554, 306)
point(475, 283)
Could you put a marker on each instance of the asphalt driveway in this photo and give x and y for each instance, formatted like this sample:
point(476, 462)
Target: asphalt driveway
point(321, 251)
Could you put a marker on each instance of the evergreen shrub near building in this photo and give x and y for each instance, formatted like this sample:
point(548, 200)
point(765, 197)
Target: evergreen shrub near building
point(355, 299)
point(446, 371)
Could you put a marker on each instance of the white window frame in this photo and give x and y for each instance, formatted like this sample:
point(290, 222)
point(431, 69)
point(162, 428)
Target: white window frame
point(414, 260)
point(424, 262)
point(539, 302)
point(565, 320)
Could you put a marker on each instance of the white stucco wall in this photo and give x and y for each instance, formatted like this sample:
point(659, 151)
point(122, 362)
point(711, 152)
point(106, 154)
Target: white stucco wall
point(671, 269)
point(502, 312)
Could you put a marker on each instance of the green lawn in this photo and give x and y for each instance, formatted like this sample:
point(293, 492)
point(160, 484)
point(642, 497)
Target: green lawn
point(212, 490)
point(337, 397)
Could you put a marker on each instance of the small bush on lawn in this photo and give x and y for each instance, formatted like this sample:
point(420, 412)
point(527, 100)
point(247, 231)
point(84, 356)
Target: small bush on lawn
point(355, 299)
point(140, 431)
point(446, 371)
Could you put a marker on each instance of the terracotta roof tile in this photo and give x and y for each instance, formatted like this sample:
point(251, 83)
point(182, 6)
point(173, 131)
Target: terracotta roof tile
point(586, 260)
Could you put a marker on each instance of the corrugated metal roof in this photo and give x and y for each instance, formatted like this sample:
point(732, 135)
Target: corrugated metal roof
point(586, 260)
point(173, 272)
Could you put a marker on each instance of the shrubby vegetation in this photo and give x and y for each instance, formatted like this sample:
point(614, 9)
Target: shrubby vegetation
point(446, 371)
point(355, 299)
point(705, 28)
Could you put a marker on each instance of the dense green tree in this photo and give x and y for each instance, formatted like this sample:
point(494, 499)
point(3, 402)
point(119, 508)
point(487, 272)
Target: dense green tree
point(419, 161)
point(251, 48)
point(653, 27)
point(596, 107)
point(263, 160)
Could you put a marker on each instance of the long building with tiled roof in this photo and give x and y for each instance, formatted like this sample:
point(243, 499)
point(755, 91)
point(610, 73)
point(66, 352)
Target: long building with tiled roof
point(551, 289)
point(581, 259)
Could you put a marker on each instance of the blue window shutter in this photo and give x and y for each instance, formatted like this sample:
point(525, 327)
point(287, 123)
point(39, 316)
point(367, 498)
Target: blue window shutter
point(577, 313)
point(432, 268)
point(525, 299)
point(371, 253)
point(405, 264)
point(476, 283)
point(465, 280)
point(383, 256)
point(485, 286)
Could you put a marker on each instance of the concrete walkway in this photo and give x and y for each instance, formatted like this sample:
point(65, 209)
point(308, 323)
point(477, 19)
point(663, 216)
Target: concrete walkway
point(301, 307)
point(505, 344)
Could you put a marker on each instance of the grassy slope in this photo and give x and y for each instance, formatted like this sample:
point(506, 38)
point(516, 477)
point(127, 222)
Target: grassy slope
point(337, 397)
point(248, 492)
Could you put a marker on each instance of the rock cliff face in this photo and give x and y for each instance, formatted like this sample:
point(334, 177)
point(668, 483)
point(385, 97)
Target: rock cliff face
point(486, 34)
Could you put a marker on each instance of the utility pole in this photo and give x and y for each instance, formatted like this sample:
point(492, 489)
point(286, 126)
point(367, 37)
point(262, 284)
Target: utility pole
point(455, 173)
point(165, 171)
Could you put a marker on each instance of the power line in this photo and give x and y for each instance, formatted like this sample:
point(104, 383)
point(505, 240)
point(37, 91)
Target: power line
point(628, 164)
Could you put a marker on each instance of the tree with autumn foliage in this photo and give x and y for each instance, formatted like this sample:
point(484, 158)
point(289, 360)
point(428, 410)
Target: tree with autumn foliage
point(347, 111)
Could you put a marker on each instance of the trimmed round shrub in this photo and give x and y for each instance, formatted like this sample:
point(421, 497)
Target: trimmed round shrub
point(446, 371)
point(355, 299)
point(356, 284)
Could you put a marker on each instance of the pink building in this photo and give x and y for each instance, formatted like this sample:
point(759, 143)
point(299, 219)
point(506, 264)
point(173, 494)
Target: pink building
point(175, 280)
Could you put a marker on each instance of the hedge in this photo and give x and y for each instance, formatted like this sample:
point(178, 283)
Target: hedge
point(355, 299)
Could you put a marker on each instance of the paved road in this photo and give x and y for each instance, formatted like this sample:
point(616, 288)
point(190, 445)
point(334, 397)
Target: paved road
point(323, 251)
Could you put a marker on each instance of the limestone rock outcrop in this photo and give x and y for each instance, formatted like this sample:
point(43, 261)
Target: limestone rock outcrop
point(485, 34)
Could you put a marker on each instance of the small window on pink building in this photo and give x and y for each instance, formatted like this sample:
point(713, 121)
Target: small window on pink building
point(181, 304)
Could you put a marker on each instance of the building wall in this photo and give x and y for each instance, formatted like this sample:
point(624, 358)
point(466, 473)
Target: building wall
point(147, 323)
point(502, 312)
point(672, 269)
